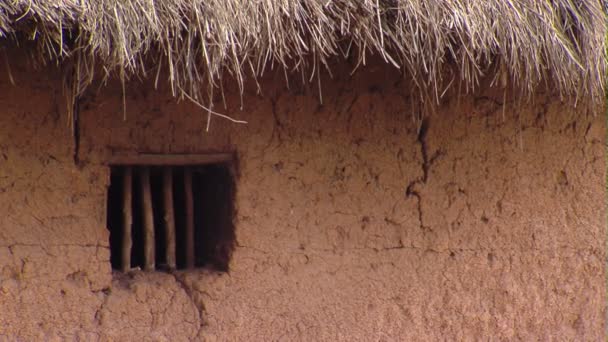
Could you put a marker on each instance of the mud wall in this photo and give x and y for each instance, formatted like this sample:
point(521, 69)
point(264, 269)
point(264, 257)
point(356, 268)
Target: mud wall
point(352, 224)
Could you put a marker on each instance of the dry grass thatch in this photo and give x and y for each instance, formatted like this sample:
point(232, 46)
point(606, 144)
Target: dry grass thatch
point(524, 42)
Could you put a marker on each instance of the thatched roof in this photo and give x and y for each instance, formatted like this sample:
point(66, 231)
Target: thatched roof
point(437, 43)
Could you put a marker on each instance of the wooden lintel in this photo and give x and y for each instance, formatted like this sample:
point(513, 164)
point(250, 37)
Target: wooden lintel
point(170, 159)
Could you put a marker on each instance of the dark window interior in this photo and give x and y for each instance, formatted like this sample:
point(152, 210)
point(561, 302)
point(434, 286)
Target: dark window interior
point(213, 192)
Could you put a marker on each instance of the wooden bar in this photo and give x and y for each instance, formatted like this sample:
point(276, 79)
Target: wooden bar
point(127, 219)
point(169, 217)
point(189, 218)
point(148, 219)
point(171, 159)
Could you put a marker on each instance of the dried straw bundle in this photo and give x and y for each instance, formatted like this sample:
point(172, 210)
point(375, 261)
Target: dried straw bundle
point(524, 42)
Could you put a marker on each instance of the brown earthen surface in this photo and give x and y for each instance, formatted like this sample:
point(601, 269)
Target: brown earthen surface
point(351, 225)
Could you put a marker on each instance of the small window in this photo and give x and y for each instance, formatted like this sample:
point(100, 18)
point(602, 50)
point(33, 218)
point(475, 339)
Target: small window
point(171, 212)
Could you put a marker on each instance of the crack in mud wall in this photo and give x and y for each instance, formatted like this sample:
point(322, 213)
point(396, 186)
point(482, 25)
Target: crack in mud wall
point(412, 189)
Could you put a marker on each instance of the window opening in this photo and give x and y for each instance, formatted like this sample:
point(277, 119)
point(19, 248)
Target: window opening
point(171, 216)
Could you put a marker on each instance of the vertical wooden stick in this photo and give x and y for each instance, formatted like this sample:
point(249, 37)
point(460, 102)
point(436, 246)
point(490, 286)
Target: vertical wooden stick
point(127, 219)
point(169, 216)
point(189, 218)
point(148, 219)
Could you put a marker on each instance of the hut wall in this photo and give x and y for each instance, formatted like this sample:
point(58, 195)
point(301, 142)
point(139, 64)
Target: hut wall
point(350, 224)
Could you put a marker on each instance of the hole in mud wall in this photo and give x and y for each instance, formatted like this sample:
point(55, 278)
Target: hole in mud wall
point(171, 217)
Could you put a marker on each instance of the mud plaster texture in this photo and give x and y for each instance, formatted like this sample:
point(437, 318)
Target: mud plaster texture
point(351, 225)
